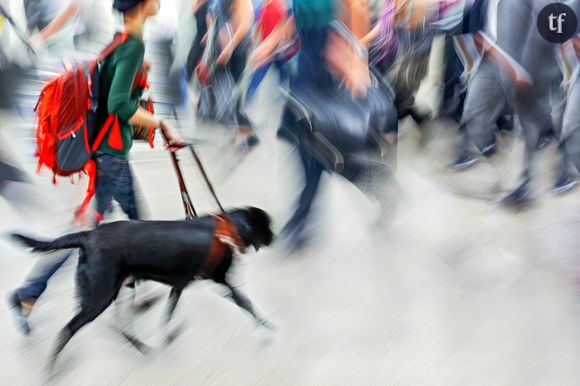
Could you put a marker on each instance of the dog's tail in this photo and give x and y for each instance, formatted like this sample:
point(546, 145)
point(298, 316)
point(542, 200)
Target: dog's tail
point(73, 240)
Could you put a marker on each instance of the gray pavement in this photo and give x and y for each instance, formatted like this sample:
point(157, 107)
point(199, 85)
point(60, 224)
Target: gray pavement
point(454, 291)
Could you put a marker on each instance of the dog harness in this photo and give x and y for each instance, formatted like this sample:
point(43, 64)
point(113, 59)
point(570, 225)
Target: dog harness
point(224, 237)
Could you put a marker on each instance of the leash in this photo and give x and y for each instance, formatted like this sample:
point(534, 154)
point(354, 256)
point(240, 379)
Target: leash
point(206, 178)
point(190, 211)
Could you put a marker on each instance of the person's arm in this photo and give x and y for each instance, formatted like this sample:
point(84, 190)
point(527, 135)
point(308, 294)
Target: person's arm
point(465, 56)
point(517, 73)
point(119, 99)
point(356, 16)
point(266, 48)
point(372, 35)
point(242, 17)
point(345, 57)
point(567, 60)
point(59, 21)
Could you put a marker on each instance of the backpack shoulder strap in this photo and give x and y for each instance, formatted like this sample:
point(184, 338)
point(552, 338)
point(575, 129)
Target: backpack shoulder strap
point(119, 39)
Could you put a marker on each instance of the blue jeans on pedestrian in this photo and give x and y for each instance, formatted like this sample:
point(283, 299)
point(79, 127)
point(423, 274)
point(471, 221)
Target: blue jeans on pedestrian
point(259, 75)
point(114, 181)
point(36, 282)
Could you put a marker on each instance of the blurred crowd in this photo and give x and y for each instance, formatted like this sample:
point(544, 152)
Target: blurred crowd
point(349, 72)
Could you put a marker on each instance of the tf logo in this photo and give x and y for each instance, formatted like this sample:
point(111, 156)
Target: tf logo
point(557, 23)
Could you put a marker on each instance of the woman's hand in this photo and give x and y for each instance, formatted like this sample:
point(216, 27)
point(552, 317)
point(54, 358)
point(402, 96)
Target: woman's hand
point(172, 141)
point(348, 64)
point(226, 54)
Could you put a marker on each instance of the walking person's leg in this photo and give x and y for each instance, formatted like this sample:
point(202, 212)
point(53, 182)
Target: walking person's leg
point(237, 66)
point(294, 230)
point(571, 125)
point(124, 191)
point(255, 81)
point(485, 101)
point(23, 299)
point(283, 73)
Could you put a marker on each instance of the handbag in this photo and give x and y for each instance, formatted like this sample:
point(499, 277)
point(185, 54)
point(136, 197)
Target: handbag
point(145, 134)
point(331, 126)
point(287, 50)
point(218, 101)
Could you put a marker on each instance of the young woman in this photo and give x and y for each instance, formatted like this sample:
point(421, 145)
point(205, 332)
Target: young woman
point(236, 16)
point(114, 178)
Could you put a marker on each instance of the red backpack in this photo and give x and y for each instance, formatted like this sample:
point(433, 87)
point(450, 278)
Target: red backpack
point(66, 130)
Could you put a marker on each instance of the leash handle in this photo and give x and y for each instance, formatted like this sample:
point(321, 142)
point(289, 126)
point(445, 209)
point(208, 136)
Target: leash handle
point(185, 197)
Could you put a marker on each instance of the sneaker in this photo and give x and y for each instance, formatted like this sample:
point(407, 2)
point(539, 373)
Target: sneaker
point(544, 141)
point(464, 161)
point(564, 183)
point(248, 144)
point(20, 317)
point(489, 150)
point(519, 199)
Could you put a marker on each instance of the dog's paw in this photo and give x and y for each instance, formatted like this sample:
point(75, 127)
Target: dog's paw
point(143, 348)
point(264, 335)
point(267, 325)
point(266, 332)
point(172, 335)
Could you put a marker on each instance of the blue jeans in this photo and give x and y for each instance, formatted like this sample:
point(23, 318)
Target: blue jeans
point(259, 75)
point(114, 181)
point(36, 282)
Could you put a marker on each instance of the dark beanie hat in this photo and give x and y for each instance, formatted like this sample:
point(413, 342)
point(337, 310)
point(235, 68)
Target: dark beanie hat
point(125, 5)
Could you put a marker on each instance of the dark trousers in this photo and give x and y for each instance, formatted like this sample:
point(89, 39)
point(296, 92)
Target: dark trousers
point(312, 170)
point(196, 50)
point(115, 182)
point(311, 70)
point(236, 66)
point(453, 88)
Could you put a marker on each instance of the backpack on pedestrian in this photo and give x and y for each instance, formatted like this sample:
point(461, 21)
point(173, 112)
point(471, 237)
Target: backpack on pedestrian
point(68, 127)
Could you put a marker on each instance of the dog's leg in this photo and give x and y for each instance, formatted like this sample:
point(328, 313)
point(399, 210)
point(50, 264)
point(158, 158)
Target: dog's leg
point(85, 316)
point(172, 333)
point(174, 296)
point(126, 317)
point(245, 303)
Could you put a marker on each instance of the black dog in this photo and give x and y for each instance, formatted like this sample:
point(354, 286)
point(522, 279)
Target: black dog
point(171, 252)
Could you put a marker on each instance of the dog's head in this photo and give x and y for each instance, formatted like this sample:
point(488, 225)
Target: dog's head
point(253, 225)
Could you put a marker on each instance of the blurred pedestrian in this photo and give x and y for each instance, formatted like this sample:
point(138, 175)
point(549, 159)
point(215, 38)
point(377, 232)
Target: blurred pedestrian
point(89, 23)
point(324, 61)
point(511, 74)
point(227, 51)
